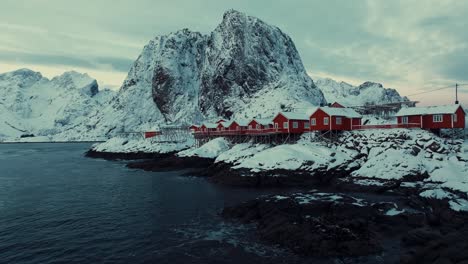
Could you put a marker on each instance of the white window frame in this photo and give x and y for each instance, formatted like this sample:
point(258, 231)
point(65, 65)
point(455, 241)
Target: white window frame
point(285, 124)
point(339, 120)
point(438, 118)
point(306, 125)
point(313, 121)
point(326, 121)
point(238, 128)
point(455, 117)
point(250, 127)
point(258, 127)
point(295, 124)
point(404, 120)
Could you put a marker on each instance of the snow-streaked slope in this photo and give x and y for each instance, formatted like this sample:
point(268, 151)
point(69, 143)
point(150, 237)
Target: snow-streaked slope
point(33, 104)
point(349, 95)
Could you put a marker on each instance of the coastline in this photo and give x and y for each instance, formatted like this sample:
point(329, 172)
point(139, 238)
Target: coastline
point(402, 210)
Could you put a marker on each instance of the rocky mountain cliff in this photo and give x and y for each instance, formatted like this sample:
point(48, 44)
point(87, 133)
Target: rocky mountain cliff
point(349, 95)
point(245, 68)
point(33, 104)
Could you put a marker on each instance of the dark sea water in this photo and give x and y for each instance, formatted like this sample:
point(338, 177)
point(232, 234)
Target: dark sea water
point(56, 206)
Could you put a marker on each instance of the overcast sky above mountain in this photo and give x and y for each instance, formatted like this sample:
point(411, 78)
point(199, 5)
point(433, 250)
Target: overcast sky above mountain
point(408, 45)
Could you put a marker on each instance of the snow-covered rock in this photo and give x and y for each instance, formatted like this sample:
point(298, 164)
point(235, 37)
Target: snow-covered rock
point(135, 145)
point(209, 150)
point(372, 156)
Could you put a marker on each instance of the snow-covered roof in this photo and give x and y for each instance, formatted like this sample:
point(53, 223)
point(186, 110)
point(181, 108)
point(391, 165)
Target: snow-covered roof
point(336, 111)
point(264, 121)
point(295, 115)
point(210, 125)
point(428, 110)
point(228, 123)
point(242, 122)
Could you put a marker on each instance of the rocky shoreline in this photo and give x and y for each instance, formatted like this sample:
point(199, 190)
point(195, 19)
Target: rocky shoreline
point(126, 155)
point(395, 225)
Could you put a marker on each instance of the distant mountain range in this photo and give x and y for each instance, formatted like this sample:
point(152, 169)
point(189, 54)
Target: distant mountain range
point(349, 95)
point(245, 68)
point(33, 104)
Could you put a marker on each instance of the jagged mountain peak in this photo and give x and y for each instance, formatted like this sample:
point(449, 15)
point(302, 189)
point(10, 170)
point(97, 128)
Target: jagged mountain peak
point(76, 80)
point(22, 78)
point(369, 84)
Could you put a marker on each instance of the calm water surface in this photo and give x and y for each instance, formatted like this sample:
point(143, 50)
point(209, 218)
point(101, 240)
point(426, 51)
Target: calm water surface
point(56, 206)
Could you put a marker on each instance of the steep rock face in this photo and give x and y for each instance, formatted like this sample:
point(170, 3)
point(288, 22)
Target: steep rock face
point(244, 67)
point(33, 104)
point(366, 93)
point(245, 57)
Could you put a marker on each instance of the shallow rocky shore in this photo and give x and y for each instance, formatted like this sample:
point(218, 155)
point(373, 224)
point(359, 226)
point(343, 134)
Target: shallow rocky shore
point(173, 162)
point(126, 155)
point(335, 224)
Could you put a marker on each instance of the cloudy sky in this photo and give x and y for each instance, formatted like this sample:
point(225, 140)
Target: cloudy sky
point(413, 46)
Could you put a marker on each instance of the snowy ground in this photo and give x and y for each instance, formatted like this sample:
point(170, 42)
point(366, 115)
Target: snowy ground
point(372, 157)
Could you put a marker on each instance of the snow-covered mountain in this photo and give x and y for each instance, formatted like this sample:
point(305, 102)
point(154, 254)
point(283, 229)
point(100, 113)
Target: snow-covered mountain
point(349, 95)
point(33, 104)
point(244, 68)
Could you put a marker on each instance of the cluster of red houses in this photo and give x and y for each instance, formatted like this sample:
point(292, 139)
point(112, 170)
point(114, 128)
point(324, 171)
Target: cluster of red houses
point(335, 117)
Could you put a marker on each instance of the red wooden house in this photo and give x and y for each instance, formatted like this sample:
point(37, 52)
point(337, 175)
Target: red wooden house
point(208, 127)
point(433, 117)
point(334, 118)
point(240, 126)
point(260, 123)
point(194, 128)
point(221, 126)
point(291, 122)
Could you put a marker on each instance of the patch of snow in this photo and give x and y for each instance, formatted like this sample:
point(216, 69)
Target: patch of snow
point(394, 211)
point(211, 149)
point(390, 164)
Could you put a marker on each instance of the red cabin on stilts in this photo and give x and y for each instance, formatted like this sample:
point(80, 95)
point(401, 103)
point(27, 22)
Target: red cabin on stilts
point(291, 122)
point(433, 117)
point(334, 118)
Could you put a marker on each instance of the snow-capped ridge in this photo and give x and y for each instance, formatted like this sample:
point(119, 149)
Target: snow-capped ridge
point(366, 93)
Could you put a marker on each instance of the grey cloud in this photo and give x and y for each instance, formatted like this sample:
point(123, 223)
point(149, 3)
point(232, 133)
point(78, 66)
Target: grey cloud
point(116, 63)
